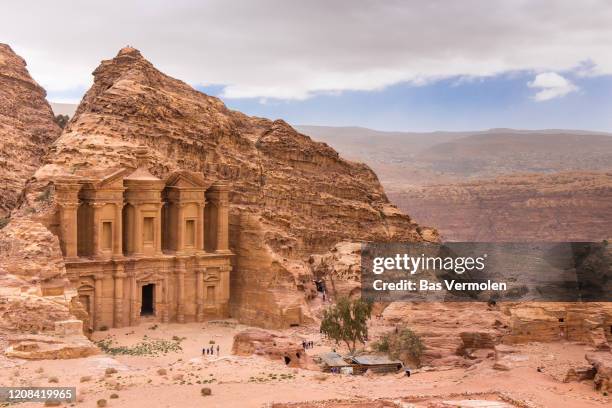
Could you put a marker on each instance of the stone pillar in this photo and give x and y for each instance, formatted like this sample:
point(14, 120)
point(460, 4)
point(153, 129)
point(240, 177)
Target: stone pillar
point(180, 234)
point(200, 294)
point(224, 290)
point(118, 231)
point(133, 299)
point(180, 301)
point(98, 301)
point(67, 192)
point(96, 228)
point(219, 195)
point(200, 227)
point(137, 236)
point(68, 225)
point(159, 301)
point(158, 231)
point(118, 277)
point(166, 292)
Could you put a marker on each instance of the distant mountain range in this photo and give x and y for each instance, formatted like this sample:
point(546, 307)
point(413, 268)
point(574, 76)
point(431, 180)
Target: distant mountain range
point(493, 185)
point(407, 158)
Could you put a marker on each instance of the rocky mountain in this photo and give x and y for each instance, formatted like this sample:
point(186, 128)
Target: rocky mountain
point(402, 159)
point(26, 127)
point(565, 206)
point(290, 196)
point(495, 185)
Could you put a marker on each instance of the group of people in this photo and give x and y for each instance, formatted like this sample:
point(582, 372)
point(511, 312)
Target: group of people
point(307, 344)
point(210, 351)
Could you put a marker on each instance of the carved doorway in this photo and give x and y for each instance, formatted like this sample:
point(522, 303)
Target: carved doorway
point(147, 305)
point(86, 298)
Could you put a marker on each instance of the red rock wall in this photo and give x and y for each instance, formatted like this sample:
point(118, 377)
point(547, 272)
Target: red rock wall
point(26, 127)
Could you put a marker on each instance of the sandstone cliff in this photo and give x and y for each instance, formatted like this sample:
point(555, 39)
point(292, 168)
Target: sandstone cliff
point(26, 127)
point(290, 196)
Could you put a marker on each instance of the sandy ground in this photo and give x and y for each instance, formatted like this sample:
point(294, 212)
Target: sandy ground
point(256, 381)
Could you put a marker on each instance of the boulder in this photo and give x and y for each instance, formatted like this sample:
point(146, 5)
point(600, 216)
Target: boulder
point(602, 363)
point(42, 347)
point(273, 347)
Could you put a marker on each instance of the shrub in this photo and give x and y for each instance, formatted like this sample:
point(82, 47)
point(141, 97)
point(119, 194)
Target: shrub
point(147, 347)
point(405, 345)
point(206, 391)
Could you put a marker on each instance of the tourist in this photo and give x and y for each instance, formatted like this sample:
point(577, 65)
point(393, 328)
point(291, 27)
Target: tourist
point(217, 350)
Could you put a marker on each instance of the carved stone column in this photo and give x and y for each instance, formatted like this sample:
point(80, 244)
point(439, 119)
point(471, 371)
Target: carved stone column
point(68, 225)
point(200, 294)
point(200, 227)
point(224, 289)
point(134, 312)
point(98, 301)
point(219, 195)
point(158, 231)
point(96, 228)
point(118, 276)
point(137, 236)
point(118, 231)
point(166, 292)
point(180, 235)
point(68, 199)
point(180, 278)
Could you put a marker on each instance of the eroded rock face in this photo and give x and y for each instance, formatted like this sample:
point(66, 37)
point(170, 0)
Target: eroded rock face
point(27, 127)
point(569, 206)
point(602, 363)
point(277, 348)
point(68, 342)
point(554, 321)
point(452, 333)
point(339, 269)
point(290, 196)
point(31, 255)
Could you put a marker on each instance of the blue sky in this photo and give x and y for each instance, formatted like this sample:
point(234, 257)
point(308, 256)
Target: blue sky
point(450, 104)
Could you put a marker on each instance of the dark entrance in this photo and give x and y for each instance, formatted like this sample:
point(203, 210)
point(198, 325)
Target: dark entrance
point(147, 308)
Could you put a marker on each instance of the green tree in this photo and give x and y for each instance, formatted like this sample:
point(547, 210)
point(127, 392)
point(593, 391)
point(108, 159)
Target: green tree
point(346, 321)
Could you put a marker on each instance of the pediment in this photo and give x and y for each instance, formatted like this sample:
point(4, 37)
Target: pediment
point(185, 179)
point(113, 180)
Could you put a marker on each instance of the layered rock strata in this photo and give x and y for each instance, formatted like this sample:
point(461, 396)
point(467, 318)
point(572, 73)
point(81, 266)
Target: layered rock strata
point(27, 127)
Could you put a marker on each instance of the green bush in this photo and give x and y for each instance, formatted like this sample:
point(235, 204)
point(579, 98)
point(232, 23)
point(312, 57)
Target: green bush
point(405, 345)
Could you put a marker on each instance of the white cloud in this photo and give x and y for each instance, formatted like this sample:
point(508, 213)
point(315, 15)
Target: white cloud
point(551, 85)
point(295, 49)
